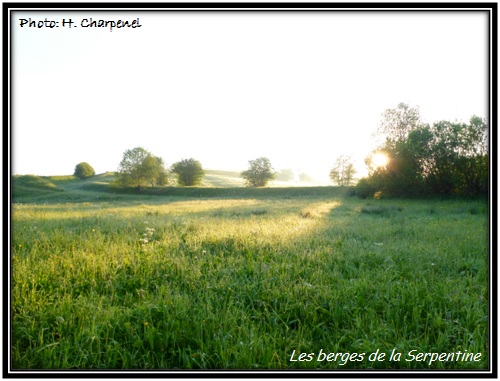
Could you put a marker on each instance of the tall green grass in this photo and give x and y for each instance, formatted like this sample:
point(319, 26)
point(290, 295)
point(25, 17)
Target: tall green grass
point(176, 283)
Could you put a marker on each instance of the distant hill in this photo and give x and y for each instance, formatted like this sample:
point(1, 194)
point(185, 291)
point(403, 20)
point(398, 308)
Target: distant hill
point(232, 179)
point(32, 185)
point(32, 188)
point(224, 179)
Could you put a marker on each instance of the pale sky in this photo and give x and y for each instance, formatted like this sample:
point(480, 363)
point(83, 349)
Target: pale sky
point(225, 88)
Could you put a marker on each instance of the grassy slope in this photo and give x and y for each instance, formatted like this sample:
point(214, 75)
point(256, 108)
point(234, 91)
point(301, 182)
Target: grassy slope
point(214, 178)
point(215, 184)
point(28, 185)
point(242, 283)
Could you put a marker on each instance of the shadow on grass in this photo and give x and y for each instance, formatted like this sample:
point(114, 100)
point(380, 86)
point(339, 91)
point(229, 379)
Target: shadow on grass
point(290, 275)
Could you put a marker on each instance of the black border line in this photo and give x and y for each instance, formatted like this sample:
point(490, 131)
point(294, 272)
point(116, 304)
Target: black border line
point(491, 8)
point(266, 6)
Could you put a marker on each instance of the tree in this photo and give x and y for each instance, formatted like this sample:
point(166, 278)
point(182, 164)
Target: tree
point(305, 178)
point(459, 159)
point(84, 170)
point(285, 175)
point(477, 134)
point(443, 159)
point(140, 168)
point(343, 171)
point(188, 171)
point(259, 173)
point(405, 146)
point(397, 123)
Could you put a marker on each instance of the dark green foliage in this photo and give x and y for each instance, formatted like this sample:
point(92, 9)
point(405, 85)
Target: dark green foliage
point(259, 173)
point(460, 158)
point(365, 188)
point(189, 172)
point(447, 158)
point(84, 170)
point(139, 168)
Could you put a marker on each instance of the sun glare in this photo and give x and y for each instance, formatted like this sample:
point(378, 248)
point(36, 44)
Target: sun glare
point(380, 159)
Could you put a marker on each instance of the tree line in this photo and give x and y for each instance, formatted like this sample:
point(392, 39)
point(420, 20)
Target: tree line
point(139, 168)
point(445, 158)
point(442, 159)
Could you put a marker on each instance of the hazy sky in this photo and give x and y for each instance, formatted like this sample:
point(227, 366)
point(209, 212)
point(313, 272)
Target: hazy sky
point(226, 88)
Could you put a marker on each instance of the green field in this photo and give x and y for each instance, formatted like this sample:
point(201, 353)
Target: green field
point(237, 278)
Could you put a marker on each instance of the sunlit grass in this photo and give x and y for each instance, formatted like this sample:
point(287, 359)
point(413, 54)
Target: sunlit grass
point(167, 282)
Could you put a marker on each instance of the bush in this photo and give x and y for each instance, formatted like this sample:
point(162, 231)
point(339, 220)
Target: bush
point(189, 172)
point(259, 173)
point(139, 168)
point(365, 188)
point(84, 170)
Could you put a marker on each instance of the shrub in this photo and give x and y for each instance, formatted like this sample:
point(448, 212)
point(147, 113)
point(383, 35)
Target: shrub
point(365, 188)
point(189, 172)
point(84, 170)
point(259, 173)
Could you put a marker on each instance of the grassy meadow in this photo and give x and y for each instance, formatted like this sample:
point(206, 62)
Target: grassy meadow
point(246, 279)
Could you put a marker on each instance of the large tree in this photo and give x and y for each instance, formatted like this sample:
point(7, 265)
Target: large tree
point(397, 123)
point(259, 173)
point(459, 158)
point(405, 141)
point(343, 171)
point(140, 168)
point(189, 172)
